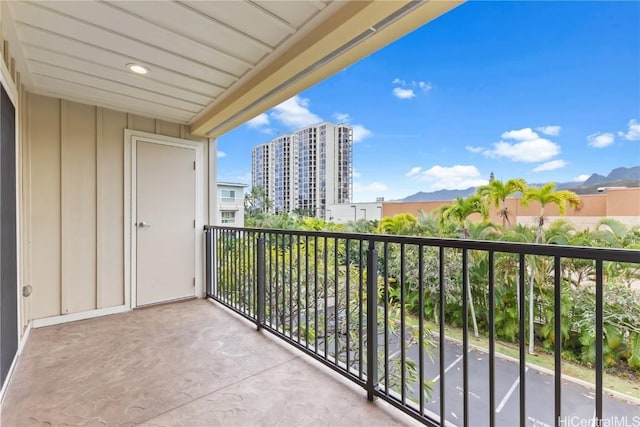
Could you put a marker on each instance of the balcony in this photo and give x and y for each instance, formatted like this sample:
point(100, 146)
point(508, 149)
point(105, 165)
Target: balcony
point(187, 363)
point(309, 293)
point(344, 299)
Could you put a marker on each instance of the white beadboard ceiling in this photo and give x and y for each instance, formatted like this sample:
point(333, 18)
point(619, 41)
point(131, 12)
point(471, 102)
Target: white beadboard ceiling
point(195, 50)
point(212, 64)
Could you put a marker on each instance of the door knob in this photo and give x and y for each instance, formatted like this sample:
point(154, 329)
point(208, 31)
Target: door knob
point(143, 224)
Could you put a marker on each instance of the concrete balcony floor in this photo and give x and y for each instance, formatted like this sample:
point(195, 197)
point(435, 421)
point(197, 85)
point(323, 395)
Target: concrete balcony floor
point(190, 363)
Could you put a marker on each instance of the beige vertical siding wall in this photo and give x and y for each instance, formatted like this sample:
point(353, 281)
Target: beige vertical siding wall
point(76, 172)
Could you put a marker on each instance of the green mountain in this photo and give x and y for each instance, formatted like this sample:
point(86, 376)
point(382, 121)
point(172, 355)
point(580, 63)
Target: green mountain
point(618, 177)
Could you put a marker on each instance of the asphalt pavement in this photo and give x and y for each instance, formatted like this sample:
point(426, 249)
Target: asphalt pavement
point(578, 402)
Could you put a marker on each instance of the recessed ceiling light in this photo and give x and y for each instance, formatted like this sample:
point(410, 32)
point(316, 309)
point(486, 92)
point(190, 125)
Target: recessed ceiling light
point(137, 68)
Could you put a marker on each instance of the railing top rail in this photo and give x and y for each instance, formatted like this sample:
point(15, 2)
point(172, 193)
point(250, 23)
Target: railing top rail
point(564, 251)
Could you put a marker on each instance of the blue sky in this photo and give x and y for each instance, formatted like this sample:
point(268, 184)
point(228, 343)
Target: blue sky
point(545, 91)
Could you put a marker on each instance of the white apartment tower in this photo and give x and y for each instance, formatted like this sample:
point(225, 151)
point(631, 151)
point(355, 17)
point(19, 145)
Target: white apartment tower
point(260, 168)
point(284, 176)
point(306, 170)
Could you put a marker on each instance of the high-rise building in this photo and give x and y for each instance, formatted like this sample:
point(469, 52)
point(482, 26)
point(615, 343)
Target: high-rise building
point(260, 168)
point(284, 167)
point(306, 170)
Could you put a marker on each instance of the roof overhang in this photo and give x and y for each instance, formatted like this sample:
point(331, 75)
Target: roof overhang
point(351, 33)
point(213, 65)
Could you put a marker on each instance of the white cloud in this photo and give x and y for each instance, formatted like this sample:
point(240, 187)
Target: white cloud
point(414, 171)
point(221, 154)
point(536, 150)
point(360, 132)
point(342, 117)
point(549, 130)
point(549, 166)
point(259, 121)
point(526, 134)
point(456, 177)
point(633, 133)
point(374, 187)
point(475, 149)
point(294, 113)
point(401, 93)
point(581, 178)
point(527, 147)
point(600, 140)
point(407, 90)
point(425, 86)
point(355, 173)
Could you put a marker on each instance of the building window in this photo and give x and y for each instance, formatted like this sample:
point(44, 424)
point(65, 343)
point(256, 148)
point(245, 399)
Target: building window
point(228, 195)
point(228, 217)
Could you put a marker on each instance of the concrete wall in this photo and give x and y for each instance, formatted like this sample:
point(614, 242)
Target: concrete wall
point(345, 212)
point(75, 167)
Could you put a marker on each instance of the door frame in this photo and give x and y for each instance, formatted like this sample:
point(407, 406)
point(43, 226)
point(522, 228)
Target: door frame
point(23, 325)
point(131, 138)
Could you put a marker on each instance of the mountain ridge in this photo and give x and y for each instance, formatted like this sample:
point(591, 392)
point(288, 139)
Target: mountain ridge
point(618, 177)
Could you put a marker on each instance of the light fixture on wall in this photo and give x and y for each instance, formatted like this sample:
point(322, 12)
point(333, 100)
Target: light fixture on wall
point(138, 69)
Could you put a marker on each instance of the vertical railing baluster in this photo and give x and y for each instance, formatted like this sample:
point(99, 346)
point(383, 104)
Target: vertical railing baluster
point(421, 326)
point(260, 272)
point(492, 343)
point(326, 302)
point(521, 337)
point(283, 319)
point(225, 268)
point(403, 374)
point(208, 259)
point(335, 295)
point(372, 321)
point(348, 301)
point(291, 286)
point(240, 278)
point(599, 341)
point(386, 316)
point(465, 336)
point(360, 307)
point(441, 338)
point(217, 265)
point(254, 272)
point(299, 309)
point(269, 251)
point(315, 293)
point(276, 249)
point(306, 291)
point(557, 341)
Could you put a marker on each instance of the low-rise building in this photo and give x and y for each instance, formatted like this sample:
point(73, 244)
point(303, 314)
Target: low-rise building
point(230, 205)
point(345, 212)
point(622, 204)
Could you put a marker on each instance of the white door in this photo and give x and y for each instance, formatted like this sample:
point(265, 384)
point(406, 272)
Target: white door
point(165, 223)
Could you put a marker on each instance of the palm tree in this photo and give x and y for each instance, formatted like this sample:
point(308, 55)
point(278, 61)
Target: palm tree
point(256, 202)
point(401, 224)
point(546, 195)
point(459, 212)
point(496, 193)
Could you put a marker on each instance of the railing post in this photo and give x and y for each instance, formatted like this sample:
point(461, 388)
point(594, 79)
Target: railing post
point(372, 321)
point(260, 274)
point(208, 260)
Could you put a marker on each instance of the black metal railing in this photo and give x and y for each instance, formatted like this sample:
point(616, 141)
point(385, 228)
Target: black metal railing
point(375, 308)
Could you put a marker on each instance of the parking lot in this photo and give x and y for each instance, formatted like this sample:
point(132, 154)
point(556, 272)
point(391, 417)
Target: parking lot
point(578, 402)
